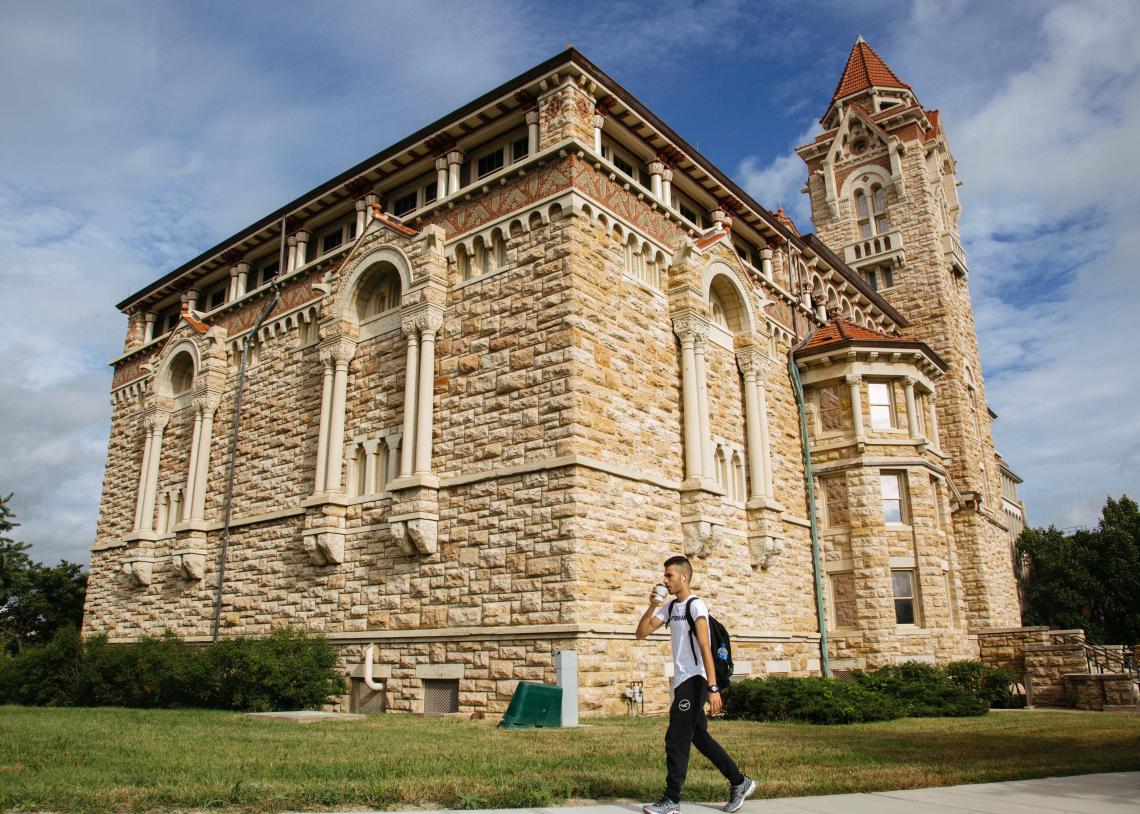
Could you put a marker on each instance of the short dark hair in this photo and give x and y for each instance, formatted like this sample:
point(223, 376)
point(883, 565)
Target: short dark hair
point(682, 562)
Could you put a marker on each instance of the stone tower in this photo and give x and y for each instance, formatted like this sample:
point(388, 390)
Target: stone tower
point(883, 195)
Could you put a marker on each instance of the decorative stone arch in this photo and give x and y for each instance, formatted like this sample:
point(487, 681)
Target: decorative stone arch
point(723, 281)
point(178, 370)
point(855, 180)
point(344, 307)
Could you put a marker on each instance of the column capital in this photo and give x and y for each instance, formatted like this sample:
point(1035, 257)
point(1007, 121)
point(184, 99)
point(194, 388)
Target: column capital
point(360, 205)
point(853, 379)
point(532, 117)
point(766, 253)
point(206, 403)
point(150, 317)
point(455, 157)
point(666, 174)
point(158, 420)
point(750, 361)
point(291, 240)
point(598, 119)
point(656, 167)
point(429, 320)
point(691, 328)
point(340, 350)
point(441, 163)
point(302, 235)
point(909, 381)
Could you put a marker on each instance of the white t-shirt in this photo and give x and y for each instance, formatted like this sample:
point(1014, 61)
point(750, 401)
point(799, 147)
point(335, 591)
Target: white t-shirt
point(684, 665)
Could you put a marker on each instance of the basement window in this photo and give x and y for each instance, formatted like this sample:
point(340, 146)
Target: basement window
point(441, 696)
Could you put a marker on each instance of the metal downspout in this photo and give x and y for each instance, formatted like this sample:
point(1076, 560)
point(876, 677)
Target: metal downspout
point(809, 478)
point(229, 499)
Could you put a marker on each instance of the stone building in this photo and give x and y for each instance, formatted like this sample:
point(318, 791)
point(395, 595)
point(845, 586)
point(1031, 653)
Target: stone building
point(495, 374)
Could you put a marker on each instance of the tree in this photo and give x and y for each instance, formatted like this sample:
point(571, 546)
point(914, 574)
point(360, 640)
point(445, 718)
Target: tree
point(36, 600)
point(1089, 579)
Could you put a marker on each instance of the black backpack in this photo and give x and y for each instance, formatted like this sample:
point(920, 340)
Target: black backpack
point(719, 640)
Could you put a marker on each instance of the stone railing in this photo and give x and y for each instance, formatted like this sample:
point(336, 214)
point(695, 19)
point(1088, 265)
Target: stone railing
point(955, 254)
point(878, 249)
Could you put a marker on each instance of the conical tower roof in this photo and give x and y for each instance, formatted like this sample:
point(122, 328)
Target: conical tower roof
point(865, 69)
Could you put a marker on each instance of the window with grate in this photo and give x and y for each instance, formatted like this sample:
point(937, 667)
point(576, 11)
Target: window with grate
point(441, 696)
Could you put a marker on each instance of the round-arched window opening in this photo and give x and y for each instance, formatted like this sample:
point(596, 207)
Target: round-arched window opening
point(181, 374)
point(378, 291)
point(727, 309)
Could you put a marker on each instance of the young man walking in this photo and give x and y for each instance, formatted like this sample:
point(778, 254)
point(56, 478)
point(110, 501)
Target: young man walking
point(692, 665)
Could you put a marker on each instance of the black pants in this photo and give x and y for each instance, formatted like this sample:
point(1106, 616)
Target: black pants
point(688, 725)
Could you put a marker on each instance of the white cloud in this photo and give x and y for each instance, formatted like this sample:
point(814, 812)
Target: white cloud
point(778, 182)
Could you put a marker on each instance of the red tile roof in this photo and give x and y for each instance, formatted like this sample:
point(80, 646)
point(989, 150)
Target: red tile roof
point(708, 240)
point(839, 329)
point(787, 221)
point(865, 69)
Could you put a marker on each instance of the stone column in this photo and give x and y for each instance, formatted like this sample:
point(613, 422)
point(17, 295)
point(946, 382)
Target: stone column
point(231, 293)
point(655, 169)
point(667, 186)
point(757, 482)
point(428, 322)
point(151, 318)
point(911, 412)
point(765, 438)
point(190, 300)
point(361, 216)
point(687, 331)
point(302, 248)
point(342, 351)
point(766, 263)
point(598, 119)
point(454, 160)
point(707, 465)
point(855, 383)
point(192, 469)
point(440, 178)
point(242, 278)
point(323, 430)
point(933, 420)
point(532, 132)
point(291, 258)
point(158, 421)
point(144, 469)
point(411, 371)
point(197, 507)
point(371, 201)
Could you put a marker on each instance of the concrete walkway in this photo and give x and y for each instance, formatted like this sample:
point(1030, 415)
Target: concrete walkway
point(1117, 793)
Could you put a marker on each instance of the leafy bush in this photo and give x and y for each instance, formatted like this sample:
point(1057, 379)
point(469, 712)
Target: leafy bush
point(986, 683)
point(924, 690)
point(814, 700)
point(290, 669)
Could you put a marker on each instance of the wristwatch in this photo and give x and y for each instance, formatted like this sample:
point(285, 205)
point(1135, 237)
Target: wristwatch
point(714, 688)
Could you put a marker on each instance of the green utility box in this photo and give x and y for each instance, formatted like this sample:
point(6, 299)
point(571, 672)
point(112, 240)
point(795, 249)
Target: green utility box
point(534, 705)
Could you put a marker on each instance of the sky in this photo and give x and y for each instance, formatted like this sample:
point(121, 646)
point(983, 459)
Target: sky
point(137, 134)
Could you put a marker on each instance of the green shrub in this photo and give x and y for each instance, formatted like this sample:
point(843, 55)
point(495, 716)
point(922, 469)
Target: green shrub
point(986, 683)
point(924, 690)
point(814, 700)
point(45, 674)
point(289, 669)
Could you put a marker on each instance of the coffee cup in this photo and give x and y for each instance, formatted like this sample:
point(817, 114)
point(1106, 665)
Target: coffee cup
point(659, 593)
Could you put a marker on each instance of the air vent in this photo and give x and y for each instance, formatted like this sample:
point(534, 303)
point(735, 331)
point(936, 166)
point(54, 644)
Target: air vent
point(441, 696)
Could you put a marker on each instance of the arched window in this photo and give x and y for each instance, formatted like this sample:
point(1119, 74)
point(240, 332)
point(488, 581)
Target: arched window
point(481, 259)
point(359, 468)
point(721, 468)
point(378, 292)
point(181, 374)
point(871, 211)
point(717, 307)
point(382, 458)
point(498, 249)
point(462, 263)
point(737, 477)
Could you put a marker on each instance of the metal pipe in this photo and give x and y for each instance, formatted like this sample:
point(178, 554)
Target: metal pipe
point(366, 671)
point(229, 499)
point(809, 478)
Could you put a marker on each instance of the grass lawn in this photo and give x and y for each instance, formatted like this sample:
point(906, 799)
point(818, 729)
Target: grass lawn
point(110, 759)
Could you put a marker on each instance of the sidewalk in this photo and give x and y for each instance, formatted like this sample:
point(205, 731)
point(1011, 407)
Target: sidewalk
point(1117, 793)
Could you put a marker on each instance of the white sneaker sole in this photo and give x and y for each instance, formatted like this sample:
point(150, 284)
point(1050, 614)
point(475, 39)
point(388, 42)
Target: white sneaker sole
point(747, 793)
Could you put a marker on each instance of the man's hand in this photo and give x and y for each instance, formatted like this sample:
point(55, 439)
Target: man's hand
point(715, 704)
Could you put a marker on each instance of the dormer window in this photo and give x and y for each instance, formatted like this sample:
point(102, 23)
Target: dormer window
point(871, 211)
point(214, 297)
point(412, 197)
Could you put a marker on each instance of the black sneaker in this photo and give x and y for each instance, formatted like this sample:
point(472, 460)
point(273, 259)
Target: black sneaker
point(664, 806)
point(739, 793)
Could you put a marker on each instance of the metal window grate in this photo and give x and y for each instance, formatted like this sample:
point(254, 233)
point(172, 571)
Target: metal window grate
point(441, 696)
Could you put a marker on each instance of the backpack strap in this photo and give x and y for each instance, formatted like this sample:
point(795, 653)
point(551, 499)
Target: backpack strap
point(669, 613)
point(692, 630)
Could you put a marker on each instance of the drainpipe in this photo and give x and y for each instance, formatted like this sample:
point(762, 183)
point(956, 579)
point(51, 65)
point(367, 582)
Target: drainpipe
point(809, 478)
point(228, 508)
point(366, 671)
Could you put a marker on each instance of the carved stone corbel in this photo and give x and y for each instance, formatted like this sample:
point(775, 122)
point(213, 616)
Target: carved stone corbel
point(415, 533)
point(325, 545)
point(764, 549)
point(139, 570)
point(190, 563)
point(700, 537)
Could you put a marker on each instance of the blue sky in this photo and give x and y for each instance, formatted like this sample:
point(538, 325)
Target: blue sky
point(138, 134)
